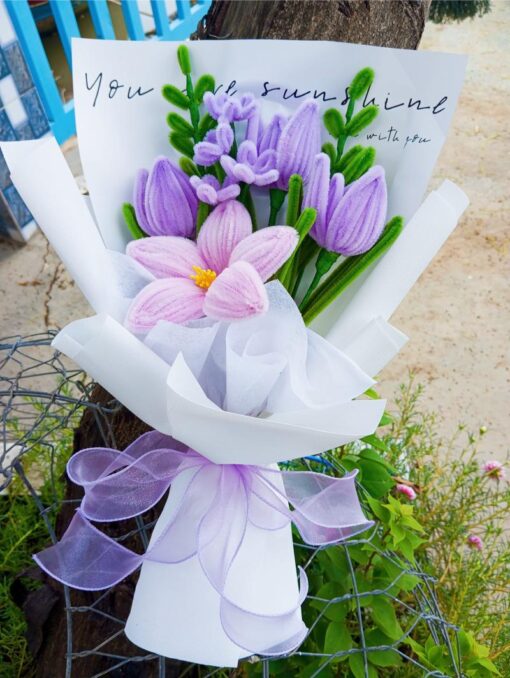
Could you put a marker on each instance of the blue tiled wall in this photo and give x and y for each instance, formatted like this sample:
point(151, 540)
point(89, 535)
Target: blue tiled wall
point(21, 117)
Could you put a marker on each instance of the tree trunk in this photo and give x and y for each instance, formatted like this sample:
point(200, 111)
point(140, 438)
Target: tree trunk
point(387, 23)
point(390, 23)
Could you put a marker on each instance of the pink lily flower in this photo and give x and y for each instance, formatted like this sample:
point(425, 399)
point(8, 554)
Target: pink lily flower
point(221, 276)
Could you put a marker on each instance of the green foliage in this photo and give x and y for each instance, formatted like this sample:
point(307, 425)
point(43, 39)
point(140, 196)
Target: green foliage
point(444, 11)
point(128, 212)
point(205, 83)
point(174, 96)
point(22, 529)
point(361, 120)
point(187, 166)
point(360, 83)
point(359, 164)
point(182, 143)
point(178, 124)
point(184, 60)
point(334, 122)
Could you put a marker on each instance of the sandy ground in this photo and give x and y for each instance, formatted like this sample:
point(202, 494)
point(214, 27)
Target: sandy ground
point(457, 315)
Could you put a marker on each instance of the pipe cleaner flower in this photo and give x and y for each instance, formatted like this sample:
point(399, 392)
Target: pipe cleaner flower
point(475, 542)
point(269, 135)
point(349, 221)
point(250, 166)
point(220, 276)
point(494, 470)
point(406, 490)
point(210, 191)
point(164, 202)
point(217, 142)
point(224, 107)
point(298, 144)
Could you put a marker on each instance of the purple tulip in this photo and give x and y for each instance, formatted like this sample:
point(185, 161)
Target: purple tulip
point(323, 194)
point(269, 136)
point(299, 143)
point(349, 222)
point(165, 203)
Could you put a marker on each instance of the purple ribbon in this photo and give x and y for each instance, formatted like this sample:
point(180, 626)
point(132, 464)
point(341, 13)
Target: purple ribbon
point(121, 485)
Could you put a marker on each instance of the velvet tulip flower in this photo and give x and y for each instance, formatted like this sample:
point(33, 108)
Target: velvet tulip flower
point(164, 201)
point(351, 220)
point(298, 144)
point(221, 276)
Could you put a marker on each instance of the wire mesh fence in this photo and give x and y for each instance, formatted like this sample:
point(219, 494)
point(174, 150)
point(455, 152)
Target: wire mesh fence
point(42, 400)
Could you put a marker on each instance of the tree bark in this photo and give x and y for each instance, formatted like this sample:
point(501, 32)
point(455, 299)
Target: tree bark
point(389, 23)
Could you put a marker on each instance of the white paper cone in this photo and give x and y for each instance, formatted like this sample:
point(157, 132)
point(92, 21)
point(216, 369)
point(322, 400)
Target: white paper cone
point(175, 610)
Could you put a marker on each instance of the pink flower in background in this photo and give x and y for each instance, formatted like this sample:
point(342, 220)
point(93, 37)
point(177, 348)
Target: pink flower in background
point(222, 275)
point(475, 542)
point(495, 470)
point(406, 491)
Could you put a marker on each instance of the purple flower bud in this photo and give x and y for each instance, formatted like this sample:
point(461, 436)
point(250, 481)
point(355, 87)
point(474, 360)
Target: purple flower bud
point(209, 190)
point(323, 194)
point(268, 137)
point(299, 143)
point(356, 222)
point(217, 142)
point(230, 108)
point(165, 203)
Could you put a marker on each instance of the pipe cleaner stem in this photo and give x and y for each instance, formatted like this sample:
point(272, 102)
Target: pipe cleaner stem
point(295, 195)
point(324, 262)
point(348, 271)
point(303, 226)
point(202, 214)
point(276, 200)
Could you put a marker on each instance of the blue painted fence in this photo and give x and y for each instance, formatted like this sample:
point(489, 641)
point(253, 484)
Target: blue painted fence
point(60, 114)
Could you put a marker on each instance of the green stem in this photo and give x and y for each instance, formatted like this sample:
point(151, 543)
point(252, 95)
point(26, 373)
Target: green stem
point(308, 250)
point(303, 226)
point(194, 111)
point(343, 138)
point(324, 262)
point(348, 271)
point(276, 200)
point(245, 197)
point(202, 214)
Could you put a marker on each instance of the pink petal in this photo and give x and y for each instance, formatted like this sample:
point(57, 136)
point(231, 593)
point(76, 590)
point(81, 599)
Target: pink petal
point(237, 293)
point(166, 256)
point(174, 299)
point(226, 226)
point(266, 250)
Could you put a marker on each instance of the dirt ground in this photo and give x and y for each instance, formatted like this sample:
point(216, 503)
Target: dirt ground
point(458, 314)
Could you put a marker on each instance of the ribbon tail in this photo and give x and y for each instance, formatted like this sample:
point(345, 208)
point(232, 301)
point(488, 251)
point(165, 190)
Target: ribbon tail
point(267, 635)
point(87, 559)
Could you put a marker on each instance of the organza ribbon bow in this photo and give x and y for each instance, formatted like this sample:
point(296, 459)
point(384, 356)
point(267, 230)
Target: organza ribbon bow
point(223, 499)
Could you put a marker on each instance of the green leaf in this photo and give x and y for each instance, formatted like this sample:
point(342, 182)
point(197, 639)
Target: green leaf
point(375, 477)
point(347, 157)
point(330, 150)
point(178, 124)
point(182, 144)
point(205, 83)
point(488, 665)
point(332, 611)
point(206, 124)
point(184, 59)
point(374, 456)
point(389, 657)
point(359, 165)
point(379, 510)
point(337, 638)
point(128, 212)
point(361, 120)
point(334, 122)
point(188, 167)
point(384, 616)
point(175, 96)
point(376, 442)
point(357, 666)
point(361, 82)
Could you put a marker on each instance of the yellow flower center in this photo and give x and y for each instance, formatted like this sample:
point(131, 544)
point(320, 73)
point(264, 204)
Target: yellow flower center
point(204, 277)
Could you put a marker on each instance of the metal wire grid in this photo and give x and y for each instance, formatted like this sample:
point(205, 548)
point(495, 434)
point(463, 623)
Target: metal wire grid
point(40, 394)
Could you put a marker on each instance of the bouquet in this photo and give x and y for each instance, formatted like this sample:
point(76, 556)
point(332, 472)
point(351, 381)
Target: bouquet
point(257, 229)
